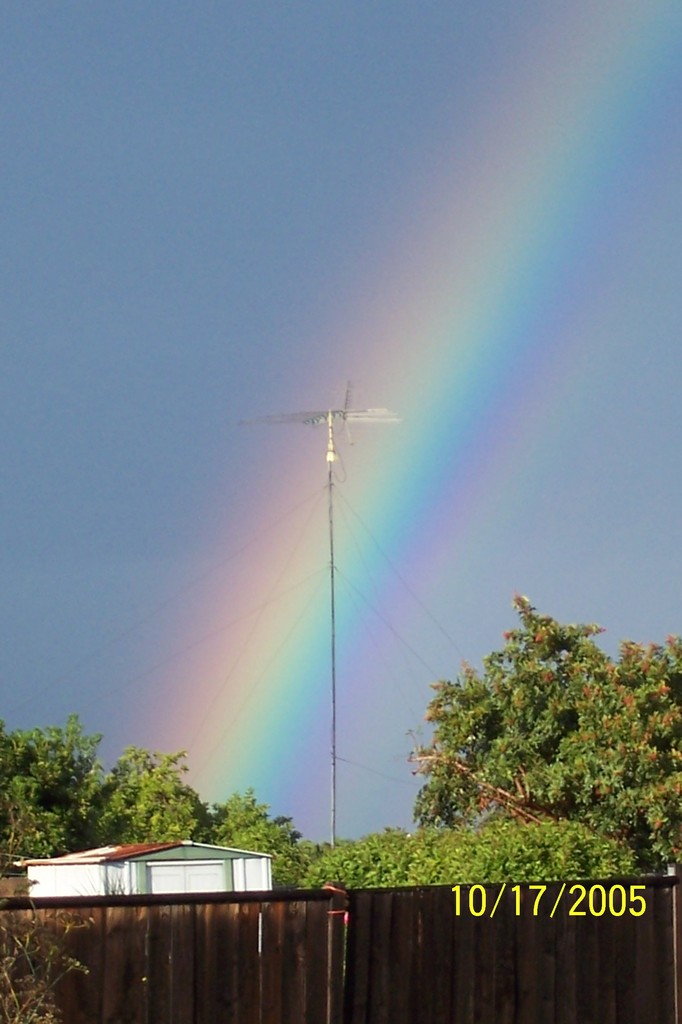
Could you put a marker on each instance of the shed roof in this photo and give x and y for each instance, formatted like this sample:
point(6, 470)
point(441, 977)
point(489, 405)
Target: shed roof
point(128, 851)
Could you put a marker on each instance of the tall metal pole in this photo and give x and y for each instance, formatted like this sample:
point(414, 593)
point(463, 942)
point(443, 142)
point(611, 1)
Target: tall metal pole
point(347, 414)
point(331, 458)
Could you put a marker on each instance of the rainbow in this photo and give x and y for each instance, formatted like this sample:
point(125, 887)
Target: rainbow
point(473, 336)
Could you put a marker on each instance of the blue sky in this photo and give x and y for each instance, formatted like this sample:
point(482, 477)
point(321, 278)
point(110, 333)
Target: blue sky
point(213, 212)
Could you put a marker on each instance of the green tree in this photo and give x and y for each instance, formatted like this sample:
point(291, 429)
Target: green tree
point(243, 823)
point(555, 729)
point(501, 850)
point(144, 799)
point(49, 786)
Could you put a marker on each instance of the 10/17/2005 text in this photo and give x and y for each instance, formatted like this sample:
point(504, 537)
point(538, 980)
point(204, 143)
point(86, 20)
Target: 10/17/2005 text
point(584, 900)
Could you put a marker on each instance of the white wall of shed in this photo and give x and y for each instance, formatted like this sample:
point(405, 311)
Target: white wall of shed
point(251, 874)
point(66, 880)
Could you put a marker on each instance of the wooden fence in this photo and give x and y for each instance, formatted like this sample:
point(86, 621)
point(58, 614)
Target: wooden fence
point(606, 953)
point(209, 959)
point(514, 955)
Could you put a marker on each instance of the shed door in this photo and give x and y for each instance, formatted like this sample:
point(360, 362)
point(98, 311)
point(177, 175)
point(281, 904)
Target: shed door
point(186, 876)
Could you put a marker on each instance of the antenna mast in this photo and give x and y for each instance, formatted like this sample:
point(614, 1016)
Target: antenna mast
point(331, 459)
point(313, 419)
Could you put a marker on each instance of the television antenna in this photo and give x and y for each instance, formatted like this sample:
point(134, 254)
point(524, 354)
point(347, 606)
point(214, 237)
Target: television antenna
point(330, 417)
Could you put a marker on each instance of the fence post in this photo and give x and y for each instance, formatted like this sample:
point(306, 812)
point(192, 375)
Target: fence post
point(338, 918)
point(676, 870)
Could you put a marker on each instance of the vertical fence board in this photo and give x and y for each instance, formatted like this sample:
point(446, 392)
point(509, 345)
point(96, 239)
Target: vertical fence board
point(236, 948)
point(249, 979)
point(462, 987)
point(159, 967)
point(528, 959)
point(318, 990)
point(609, 969)
point(505, 957)
point(337, 938)
point(438, 952)
point(208, 935)
point(182, 964)
point(588, 979)
point(356, 1009)
point(484, 953)
point(217, 988)
point(626, 1008)
point(293, 961)
point(676, 871)
point(79, 992)
point(645, 994)
point(547, 961)
point(123, 985)
point(407, 955)
point(664, 954)
point(271, 963)
point(566, 984)
point(380, 961)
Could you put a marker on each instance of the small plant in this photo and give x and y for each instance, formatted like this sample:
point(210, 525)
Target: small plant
point(32, 962)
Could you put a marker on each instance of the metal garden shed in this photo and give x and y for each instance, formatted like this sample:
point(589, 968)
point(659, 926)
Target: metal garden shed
point(175, 867)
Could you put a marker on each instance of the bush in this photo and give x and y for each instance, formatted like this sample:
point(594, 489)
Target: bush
point(501, 850)
point(32, 962)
